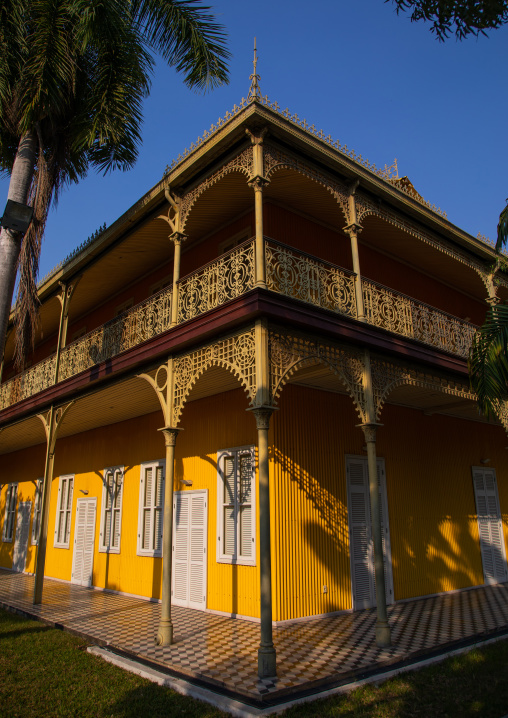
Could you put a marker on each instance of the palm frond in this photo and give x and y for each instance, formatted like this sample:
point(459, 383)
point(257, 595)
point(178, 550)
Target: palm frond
point(187, 36)
point(488, 360)
point(502, 229)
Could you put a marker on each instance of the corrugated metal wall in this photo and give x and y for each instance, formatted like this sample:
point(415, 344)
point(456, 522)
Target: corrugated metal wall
point(432, 513)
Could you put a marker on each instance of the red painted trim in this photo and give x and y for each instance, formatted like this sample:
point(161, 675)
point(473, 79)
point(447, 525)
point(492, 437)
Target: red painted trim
point(223, 319)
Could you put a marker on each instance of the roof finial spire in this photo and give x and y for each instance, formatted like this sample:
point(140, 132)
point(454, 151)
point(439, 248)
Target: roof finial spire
point(254, 92)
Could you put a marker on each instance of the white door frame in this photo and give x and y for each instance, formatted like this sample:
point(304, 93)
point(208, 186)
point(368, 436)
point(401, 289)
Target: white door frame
point(385, 535)
point(80, 502)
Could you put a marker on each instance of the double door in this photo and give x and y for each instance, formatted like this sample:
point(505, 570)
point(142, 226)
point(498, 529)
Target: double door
point(190, 509)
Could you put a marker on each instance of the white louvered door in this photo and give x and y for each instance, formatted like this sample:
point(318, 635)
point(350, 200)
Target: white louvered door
point(84, 541)
point(489, 525)
point(22, 532)
point(360, 533)
point(190, 510)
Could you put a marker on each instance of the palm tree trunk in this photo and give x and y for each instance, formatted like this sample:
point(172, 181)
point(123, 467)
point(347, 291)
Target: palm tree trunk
point(10, 241)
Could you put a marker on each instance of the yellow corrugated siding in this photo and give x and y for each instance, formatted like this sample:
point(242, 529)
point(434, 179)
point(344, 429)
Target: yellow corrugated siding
point(211, 424)
point(22, 468)
point(431, 505)
point(311, 433)
point(433, 523)
point(433, 526)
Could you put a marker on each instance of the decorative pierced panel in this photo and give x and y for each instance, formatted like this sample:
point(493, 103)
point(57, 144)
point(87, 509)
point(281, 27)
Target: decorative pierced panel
point(228, 277)
point(403, 315)
point(289, 352)
point(300, 276)
point(33, 380)
point(241, 163)
point(144, 321)
point(235, 353)
point(275, 159)
point(387, 375)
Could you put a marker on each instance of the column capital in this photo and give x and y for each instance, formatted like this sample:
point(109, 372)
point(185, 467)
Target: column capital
point(352, 228)
point(170, 434)
point(369, 429)
point(258, 182)
point(178, 237)
point(492, 301)
point(263, 415)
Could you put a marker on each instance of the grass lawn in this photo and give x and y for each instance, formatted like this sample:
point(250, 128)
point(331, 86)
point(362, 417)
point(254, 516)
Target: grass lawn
point(47, 672)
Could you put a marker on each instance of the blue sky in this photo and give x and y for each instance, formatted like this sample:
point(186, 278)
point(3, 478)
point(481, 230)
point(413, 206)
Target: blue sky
point(376, 82)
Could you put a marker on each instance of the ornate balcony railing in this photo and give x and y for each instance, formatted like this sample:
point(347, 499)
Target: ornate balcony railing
point(216, 283)
point(301, 276)
point(142, 322)
point(403, 315)
point(30, 382)
point(288, 272)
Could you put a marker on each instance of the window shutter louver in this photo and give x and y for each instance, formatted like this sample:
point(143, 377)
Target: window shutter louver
point(489, 525)
point(158, 509)
point(360, 525)
point(189, 555)
point(180, 547)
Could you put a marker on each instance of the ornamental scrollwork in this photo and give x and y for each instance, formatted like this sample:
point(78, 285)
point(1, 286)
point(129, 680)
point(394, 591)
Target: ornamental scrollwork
point(243, 162)
point(275, 159)
point(365, 206)
point(290, 352)
point(235, 353)
point(387, 376)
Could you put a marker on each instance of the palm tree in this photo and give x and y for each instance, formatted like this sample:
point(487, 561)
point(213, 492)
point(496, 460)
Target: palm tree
point(73, 76)
point(488, 359)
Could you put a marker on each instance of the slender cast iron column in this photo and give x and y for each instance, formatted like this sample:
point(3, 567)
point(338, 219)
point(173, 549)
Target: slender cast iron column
point(266, 651)
point(177, 238)
point(383, 637)
point(369, 427)
point(165, 634)
point(40, 558)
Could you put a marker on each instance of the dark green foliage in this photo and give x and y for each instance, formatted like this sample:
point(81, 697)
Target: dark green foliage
point(459, 17)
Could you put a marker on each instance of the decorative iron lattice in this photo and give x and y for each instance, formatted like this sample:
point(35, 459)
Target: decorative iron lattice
point(142, 322)
point(388, 375)
point(301, 276)
point(402, 315)
point(228, 277)
point(289, 352)
point(30, 382)
point(235, 353)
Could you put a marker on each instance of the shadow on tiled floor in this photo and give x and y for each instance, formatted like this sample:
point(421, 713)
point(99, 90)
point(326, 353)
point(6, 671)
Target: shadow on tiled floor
point(222, 652)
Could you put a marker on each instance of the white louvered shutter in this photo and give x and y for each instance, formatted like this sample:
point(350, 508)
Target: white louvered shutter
point(68, 508)
point(360, 535)
point(21, 540)
point(245, 543)
point(361, 538)
point(79, 541)
point(490, 526)
point(117, 509)
point(158, 511)
point(146, 533)
point(84, 540)
point(181, 522)
point(229, 512)
point(89, 538)
point(197, 552)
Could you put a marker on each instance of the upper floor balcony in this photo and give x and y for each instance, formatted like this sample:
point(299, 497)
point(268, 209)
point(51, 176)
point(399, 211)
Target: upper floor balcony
point(289, 272)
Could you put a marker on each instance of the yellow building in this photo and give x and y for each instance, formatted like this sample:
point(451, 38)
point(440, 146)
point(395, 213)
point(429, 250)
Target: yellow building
point(305, 319)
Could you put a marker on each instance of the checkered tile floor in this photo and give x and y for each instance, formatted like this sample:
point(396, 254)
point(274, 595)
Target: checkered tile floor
point(222, 652)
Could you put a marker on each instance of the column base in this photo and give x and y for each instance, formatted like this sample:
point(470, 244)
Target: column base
point(383, 634)
point(267, 662)
point(165, 634)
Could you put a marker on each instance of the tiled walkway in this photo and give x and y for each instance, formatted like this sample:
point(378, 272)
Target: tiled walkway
point(222, 652)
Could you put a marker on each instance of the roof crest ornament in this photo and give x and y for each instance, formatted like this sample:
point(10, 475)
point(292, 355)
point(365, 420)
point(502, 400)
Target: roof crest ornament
point(254, 91)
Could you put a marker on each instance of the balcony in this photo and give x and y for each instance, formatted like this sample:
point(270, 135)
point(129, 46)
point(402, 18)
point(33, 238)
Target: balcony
point(290, 273)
